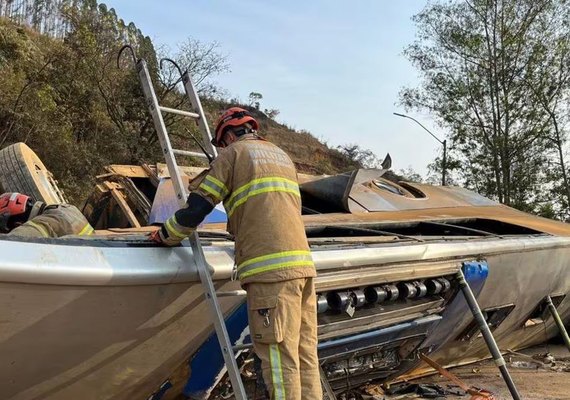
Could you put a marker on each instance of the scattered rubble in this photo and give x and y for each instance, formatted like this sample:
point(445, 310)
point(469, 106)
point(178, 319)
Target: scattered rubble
point(544, 361)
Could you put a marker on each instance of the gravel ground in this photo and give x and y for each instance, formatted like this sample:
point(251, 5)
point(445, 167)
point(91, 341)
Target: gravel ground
point(533, 382)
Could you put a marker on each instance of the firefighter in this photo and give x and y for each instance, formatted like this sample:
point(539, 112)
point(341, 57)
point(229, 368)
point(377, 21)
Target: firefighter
point(257, 182)
point(21, 216)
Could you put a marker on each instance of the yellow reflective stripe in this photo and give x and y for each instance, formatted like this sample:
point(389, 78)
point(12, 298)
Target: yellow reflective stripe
point(259, 191)
point(274, 255)
point(223, 188)
point(87, 230)
point(39, 228)
point(217, 195)
point(289, 264)
point(210, 190)
point(215, 187)
point(276, 372)
point(171, 229)
point(260, 180)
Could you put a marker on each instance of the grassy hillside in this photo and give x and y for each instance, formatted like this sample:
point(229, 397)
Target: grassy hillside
point(309, 154)
point(69, 102)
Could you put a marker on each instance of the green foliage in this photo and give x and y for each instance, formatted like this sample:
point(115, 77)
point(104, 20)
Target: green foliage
point(361, 158)
point(255, 100)
point(410, 175)
point(484, 64)
point(66, 98)
point(271, 113)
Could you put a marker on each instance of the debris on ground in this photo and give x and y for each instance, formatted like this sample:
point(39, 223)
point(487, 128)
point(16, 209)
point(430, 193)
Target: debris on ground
point(372, 392)
point(544, 361)
point(425, 390)
point(483, 373)
point(545, 383)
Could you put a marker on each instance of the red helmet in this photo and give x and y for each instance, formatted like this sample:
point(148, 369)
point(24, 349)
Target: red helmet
point(14, 207)
point(234, 116)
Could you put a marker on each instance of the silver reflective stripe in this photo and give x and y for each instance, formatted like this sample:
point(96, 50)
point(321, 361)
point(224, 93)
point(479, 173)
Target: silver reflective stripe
point(276, 372)
point(251, 190)
point(274, 263)
point(214, 186)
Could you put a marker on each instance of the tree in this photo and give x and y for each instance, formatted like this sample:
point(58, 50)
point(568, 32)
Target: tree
point(410, 175)
point(552, 93)
point(271, 113)
point(362, 158)
point(255, 99)
point(68, 100)
point(202, 60)
point(479, 61)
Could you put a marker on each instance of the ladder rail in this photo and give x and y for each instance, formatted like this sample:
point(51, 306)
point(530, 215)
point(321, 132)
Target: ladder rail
point(169, 153)
point(192, 95)
point(155, 111)
point(219, 321)
point(196, 104)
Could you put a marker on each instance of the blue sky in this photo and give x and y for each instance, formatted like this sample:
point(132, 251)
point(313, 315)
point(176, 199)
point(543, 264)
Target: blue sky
point(331, 67)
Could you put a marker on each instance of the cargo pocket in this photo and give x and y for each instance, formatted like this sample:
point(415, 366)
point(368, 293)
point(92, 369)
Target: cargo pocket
point(264, 324)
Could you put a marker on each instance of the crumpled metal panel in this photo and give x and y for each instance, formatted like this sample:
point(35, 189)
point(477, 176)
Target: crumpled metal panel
point(364, 190)
point(165, 205)
point(346, 191)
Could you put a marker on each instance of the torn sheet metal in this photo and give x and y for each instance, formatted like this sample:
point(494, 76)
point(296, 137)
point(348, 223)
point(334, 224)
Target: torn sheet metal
point(347, 191)
point(364, 190)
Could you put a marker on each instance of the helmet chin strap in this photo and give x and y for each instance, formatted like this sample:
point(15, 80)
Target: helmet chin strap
point(37, 209)
point(246, 131)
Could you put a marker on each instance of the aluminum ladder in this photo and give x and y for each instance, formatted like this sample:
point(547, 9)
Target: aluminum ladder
point(205, 273)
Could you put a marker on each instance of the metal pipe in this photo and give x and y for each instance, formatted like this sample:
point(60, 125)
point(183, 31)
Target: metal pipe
point(375, 294)
point(188, 153)
point(322, 305)
point(231, 293)
point(444, 163)
point(559, 323)
point(358, 298)
point(442, 142)
point(487, 335)
point(179, 112)
point(408, 290)
point(392, 291)
point(421, 289)
point(243, 346)
point(434, 286)
point(338, 301)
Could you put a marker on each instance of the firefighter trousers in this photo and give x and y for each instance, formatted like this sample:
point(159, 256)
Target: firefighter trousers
point(283, 326)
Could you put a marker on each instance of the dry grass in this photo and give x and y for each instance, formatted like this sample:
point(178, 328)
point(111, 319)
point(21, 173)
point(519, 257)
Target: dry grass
point(308, 153)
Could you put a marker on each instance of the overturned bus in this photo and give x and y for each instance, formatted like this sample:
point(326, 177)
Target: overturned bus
point(113, 316)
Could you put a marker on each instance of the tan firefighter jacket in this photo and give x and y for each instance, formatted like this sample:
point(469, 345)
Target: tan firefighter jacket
point(55, 221)
point(257, 182)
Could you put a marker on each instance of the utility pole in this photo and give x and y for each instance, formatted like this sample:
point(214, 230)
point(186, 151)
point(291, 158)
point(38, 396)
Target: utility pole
point(443, 143)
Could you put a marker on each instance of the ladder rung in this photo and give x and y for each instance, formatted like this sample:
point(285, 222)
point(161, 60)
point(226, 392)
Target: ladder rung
point(231, 293)
point(189, 153)
point(239, 347)
point(179, 112)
